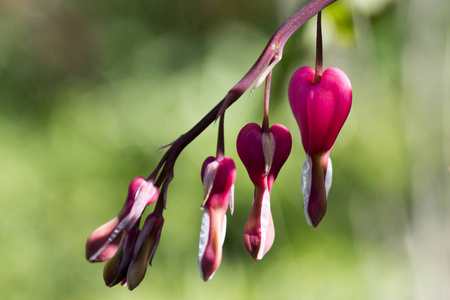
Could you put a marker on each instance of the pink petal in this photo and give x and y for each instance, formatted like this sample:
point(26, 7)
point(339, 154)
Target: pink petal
point(212, 237)
point(320, 109)
point(259, 232)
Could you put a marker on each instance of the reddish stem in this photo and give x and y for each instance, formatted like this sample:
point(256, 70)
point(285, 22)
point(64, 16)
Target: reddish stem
point(220, 140)
point(273, 49)
point(265, 124)
point(319, 50)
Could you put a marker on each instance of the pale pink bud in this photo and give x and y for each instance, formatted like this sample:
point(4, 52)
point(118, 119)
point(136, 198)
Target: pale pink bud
point(104, 241)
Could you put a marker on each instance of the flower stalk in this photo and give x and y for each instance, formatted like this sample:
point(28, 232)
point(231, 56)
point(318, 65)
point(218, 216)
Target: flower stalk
point(270, 56)
point(263, 150)
point(319, 50)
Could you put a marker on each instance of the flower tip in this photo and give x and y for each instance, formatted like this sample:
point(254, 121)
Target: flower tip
point(212, 237)
point(315, 209)
point(102, 244)
point(315, 220)
point(316, 182)
point(135, 275)
point(258, 246)
point(111, 269)
point(252, 244)
point(209, 262)
point(259, 232)
point(208, 275)
point(144, 250)
point(115, 270)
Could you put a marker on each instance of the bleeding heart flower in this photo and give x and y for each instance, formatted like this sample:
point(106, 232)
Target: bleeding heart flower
point(263, 154)
point(320, 110)
point(104, 241)
point(218, 176)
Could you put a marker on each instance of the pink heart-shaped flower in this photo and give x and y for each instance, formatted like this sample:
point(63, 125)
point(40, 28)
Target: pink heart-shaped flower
point(320, 109)
point(263, 155)
point(250, 146)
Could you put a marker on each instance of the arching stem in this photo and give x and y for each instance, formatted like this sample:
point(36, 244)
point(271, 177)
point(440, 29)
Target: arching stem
point(273, 49)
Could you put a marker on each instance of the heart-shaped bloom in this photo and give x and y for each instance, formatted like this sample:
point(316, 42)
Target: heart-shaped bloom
point(263, 154)
point(218, 176)
point(320, 110)
point(104, 241)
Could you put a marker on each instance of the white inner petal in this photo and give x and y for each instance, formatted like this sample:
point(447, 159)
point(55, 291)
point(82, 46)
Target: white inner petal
point(328, 176)
point(223, 230)
point(231, 199)
point(143, 195)
point(208, 179)
point(110, 239)
point(204, 234)
point(306, 185)
point(264, 219)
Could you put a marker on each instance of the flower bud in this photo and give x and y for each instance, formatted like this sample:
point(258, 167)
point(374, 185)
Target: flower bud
point(146, 244)
point(115, 270)
point(104, 241)
point(218, 176)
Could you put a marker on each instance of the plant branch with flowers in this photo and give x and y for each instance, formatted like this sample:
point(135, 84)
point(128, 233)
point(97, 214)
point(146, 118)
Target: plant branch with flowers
point(320, 101)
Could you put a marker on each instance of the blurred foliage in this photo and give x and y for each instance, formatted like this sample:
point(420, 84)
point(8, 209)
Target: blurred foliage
point(89, 90)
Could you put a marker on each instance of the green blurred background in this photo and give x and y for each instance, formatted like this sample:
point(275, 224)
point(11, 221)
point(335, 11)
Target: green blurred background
point(90, 89)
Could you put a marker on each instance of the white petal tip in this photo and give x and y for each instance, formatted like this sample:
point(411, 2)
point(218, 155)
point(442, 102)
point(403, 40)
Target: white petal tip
point(231, 200)
point(306, 186)
point(328, 176)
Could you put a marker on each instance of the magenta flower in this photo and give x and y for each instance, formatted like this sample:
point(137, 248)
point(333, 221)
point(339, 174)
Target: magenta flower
point(104, 241)
point(218, 176)
point(263, 154)
point(320, 110)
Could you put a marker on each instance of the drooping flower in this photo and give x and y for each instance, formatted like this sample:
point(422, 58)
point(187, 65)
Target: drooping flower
point(320, 110)
point(218, 176)
point(263, 154)
point(116, 268)
point(104, 241)
point(144, 250)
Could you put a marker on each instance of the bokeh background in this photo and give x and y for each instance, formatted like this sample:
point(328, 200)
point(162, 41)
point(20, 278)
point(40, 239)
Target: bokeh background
point(89, 90)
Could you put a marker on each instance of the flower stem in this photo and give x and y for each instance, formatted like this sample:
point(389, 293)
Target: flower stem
point(265, 124)
point(220, 139)
point(319, 50)
point(273, 50)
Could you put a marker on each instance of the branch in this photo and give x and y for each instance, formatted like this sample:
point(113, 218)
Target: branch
point(272, 51)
